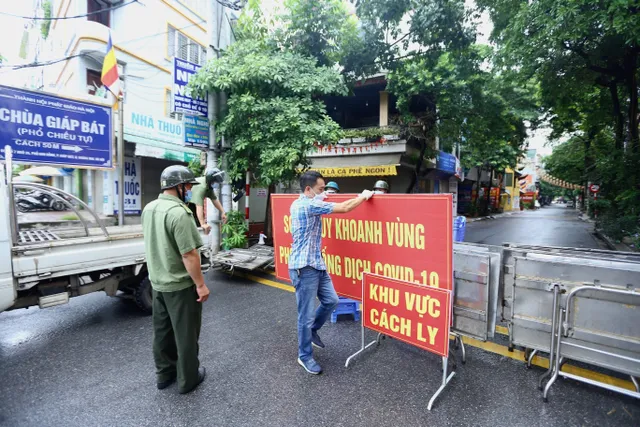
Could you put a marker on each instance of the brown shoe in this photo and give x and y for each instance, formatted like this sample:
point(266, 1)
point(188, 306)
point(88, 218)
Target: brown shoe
point(202, 373)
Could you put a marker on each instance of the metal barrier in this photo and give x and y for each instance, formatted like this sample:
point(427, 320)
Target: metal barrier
point(477, 272)
point(599, 325)
point(545, 288)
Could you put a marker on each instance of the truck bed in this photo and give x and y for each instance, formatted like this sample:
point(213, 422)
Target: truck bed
point(71, 252)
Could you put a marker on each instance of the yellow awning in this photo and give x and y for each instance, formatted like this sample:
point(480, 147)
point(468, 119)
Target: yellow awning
point(347, 171)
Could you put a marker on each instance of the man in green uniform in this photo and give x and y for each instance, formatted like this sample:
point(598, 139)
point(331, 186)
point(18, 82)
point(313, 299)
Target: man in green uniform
point(171, 243)
point(205, 190)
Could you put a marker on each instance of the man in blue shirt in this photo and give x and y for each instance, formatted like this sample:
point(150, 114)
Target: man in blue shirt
point(306, 266)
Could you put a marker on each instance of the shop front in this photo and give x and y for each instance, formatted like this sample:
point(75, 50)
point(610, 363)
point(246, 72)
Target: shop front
point(151, 144)
point(356, 167)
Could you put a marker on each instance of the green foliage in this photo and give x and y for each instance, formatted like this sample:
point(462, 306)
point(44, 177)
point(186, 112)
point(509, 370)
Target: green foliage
point(373, 133)
point(235, 231)
point(196, 167)
point(45, 26)
point(274, 114)
point(585, 57)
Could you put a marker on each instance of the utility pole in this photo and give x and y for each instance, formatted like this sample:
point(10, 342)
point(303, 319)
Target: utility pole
point(226, 146)
point(213, 216)
point(121, 163)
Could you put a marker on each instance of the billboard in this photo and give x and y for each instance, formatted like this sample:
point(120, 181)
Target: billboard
point(48, 129)
point(407, 237)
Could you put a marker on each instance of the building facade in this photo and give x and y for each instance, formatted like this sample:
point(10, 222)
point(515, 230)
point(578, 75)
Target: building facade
point(146, 36)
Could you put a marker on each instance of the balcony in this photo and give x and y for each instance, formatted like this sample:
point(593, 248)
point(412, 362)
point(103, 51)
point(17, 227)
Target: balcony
point(86, 37)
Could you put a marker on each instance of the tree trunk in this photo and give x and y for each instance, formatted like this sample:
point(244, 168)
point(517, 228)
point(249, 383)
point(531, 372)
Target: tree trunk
point(488, 204)
point(617, 113)
point(268, 227)
point(632, 83)
point(423, 149)
point(588, 159)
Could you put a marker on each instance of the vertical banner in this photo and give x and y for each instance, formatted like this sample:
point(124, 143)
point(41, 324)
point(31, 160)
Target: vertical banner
point(196, 131)
point(182, 100)
point(132, 187)
point(407, 237)
point(417, 315)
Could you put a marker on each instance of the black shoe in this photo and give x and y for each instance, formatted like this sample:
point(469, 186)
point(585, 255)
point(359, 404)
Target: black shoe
point(202, 373)
point(167, 383)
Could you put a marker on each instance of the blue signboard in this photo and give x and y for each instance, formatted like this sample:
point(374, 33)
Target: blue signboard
point(196, 131)
point(47, 129)
point(182, 100)
point(446, 162)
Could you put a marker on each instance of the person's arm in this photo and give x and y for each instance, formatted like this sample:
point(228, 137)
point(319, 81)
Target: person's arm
point(218, 205)
point(203, 223)
point(350, 205)
point(188, 241)
point(191, 262)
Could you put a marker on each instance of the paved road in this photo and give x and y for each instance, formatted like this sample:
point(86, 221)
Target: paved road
point(554, 225)
point(88, 363)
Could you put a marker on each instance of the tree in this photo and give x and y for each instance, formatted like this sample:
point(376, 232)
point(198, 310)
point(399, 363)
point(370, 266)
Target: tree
point(586, 57)
point(274, 114)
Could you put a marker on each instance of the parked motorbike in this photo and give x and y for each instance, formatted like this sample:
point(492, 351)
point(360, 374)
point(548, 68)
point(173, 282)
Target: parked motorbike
point(36, 201)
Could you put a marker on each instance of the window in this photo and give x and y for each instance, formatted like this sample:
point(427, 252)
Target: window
point(509, 180)
point(94, 82)
point(199, 7)
point(183, 47)
point(95, 6)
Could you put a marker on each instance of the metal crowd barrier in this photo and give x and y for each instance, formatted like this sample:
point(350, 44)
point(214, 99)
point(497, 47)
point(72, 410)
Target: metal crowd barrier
point(544, 288)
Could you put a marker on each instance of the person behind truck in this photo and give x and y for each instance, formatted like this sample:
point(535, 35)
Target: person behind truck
point(205, 190)
point(171, 242)
point(381, 187)
point(307, 268)
point(332, 187)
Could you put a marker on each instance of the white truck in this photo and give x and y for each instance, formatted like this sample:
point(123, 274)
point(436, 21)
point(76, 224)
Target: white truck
point(46, 267)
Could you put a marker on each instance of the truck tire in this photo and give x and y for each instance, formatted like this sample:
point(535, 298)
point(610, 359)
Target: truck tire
point(142, 295)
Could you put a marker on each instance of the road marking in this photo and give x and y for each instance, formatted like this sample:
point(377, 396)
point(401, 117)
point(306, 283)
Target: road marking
point(489, 346)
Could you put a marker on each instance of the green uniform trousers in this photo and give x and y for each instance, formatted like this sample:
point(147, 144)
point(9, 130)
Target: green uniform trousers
point(177, 317)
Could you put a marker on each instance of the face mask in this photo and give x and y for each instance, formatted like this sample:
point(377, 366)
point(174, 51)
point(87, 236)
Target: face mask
point(187, 196)
point(320, 196)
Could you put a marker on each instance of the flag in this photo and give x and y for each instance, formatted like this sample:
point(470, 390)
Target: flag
point(110, 76)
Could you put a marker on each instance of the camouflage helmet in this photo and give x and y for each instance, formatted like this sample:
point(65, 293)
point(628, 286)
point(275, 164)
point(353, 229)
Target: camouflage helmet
point(176, 175)
point(380, 184)
point(214, 176)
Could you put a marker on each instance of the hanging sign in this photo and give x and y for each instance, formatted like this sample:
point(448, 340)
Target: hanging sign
point(183, 102)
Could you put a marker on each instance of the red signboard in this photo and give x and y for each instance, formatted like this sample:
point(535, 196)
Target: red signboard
point(402, 236)
point(594, 188)
point(417, 315)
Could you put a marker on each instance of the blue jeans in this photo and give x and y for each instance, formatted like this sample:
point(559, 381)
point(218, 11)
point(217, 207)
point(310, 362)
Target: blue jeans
point(310, 283)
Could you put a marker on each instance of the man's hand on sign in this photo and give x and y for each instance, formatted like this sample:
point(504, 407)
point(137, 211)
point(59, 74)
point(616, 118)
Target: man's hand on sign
point(203, 292)
point(367, 194)
point(206, 228)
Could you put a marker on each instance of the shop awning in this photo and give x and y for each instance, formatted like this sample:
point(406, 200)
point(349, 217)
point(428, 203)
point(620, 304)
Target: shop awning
point(349, 171)
point(146, 147)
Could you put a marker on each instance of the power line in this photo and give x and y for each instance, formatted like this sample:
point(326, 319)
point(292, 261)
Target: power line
point(51, 62)
point(37, 18)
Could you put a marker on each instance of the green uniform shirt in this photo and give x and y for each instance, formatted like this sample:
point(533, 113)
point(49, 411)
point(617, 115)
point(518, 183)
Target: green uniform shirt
point(200, 192)
point(169, 232)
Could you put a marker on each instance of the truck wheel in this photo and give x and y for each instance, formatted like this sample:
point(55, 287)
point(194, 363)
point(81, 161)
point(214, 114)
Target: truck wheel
point(142, 295)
